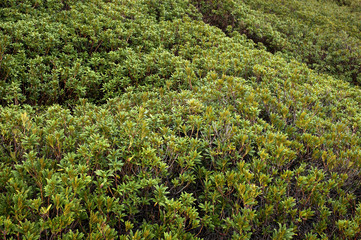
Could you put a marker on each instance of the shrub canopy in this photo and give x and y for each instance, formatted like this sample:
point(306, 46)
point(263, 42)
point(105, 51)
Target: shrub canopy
point(179, 120)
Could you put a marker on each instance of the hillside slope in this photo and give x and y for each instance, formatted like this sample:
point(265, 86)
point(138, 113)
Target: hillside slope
point(138, 120)
point(325, 36)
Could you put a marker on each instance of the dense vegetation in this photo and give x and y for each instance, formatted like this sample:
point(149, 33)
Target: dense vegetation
point(325, 37)
point(199, 119)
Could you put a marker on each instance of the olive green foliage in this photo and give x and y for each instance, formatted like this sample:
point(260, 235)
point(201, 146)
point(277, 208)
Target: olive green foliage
point(94, 49)
point(354, 4)
point(137, 120)
point(319, 33)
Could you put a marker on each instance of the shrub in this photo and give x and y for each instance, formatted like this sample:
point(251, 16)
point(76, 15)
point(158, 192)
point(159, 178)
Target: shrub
point(168, 129)
point(319, 34)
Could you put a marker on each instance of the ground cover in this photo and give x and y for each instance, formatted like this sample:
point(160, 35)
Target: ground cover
point(138, 120)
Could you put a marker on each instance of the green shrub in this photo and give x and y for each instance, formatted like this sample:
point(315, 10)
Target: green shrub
point(325, 37)
point(92, 50)
point(141, 121)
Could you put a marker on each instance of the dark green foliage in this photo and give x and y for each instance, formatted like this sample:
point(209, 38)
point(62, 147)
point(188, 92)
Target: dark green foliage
point(137, 120)
point(318, 33)
point(93, 50)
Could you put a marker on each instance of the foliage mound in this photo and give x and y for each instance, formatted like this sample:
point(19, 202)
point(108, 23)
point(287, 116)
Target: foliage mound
point(137, 120)
point(319, 33)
